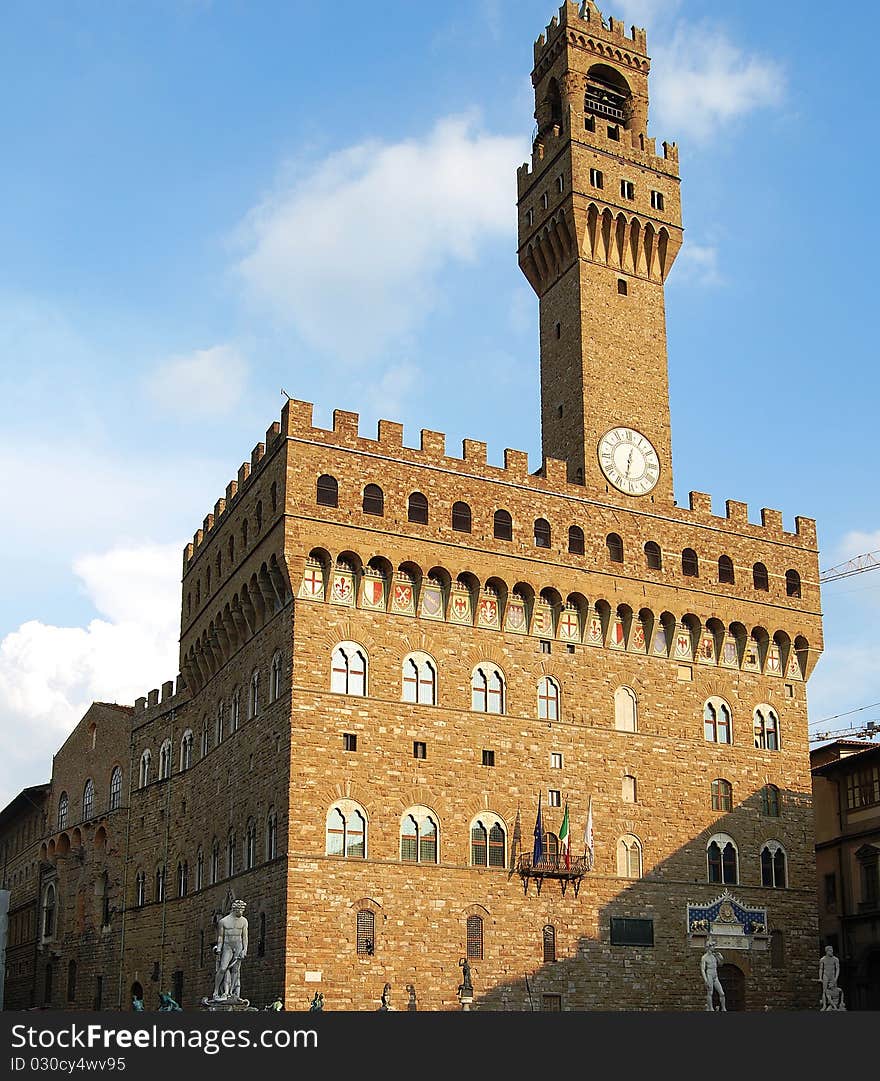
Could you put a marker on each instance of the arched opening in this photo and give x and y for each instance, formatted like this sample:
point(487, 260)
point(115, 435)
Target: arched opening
point(417, 511)
point(792, 584)
point(461, 517)
point(327, 493)
point(653, 556)
point(615, 548)
point(503, 525)
point(608, 94)
point(542, 533)
point(374, 500)
point(576, 540)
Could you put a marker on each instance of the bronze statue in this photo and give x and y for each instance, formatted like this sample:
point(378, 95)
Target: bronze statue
point(466, 988)
point(317, 1003)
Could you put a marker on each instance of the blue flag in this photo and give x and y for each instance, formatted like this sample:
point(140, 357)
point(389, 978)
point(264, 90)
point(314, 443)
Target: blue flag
point(538, 851)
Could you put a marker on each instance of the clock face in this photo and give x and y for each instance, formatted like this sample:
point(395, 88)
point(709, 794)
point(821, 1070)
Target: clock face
point(629, 461)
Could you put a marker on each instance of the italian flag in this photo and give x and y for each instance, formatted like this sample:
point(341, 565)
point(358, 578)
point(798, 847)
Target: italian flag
point(565, 839)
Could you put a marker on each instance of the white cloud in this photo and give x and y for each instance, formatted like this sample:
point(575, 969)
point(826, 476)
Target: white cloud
point(385, 396)
point(857, 543)
point(703, 81)
point(49, 675)
point(846, 677)
point(206, 382)
point(349, 250)
point(698, 264)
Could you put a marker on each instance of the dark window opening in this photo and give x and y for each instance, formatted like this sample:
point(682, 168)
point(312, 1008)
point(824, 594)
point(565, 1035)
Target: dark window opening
point(420, 750)
point(615, 548)
point(349, 741)
point(328, 492)
point(503, 525)
point(418, 509)
point(690, 565)
point(461, 518)
point(792, 584)
point(488, 758)
point(576, 541)
point(622, 287)
point(653, 556)
point(366, 933)
point(374, 500)
point(761, 578)
point(628, 932)
point(725, 571)
point(542, 533)
point(549, 938)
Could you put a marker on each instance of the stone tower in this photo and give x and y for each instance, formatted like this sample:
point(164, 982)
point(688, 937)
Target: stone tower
point(599, 230)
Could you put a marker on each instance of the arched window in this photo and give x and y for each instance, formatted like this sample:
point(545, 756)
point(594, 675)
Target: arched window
point(487, 689)
point(629, 790)
point(543, 535)
point(576, 540)
point(254, 695)
point(160, 883)
point(206, 737)
point(234, 710)
point(258, 515)
point(766, 729)
point(549, 941)
point(626, 716)
point(488, 842)
point(230, 853)
point(760, 577)
point(725, 571)
point(140, 889)
point(49, 903)
point(366, 933)
point(328, 492)
point(347, 830)
point(186, 750)
point(273, 491)
point(461, 517)
point(770, 801)
point(629, 857)
point(548, 699)
point(244, 534)
point(63, 805)
point(716, 721)
point(723, 860)
point(275, 678)
point(615, 548)
point(200, 868)
point(88, 804)
point(115, 789)
point(165, 760)
point(250, 845)
point(773, 866)
point(474, 942)
point(690, 565)
point(271, 835)
point(417, 509)
point(503, 525)
point(348, 671)
point(420, 680)
point(418, 836)
point(71, 981)
point(722, 795)
point(792, 584)
point(653, 556)
point(374, 500)
point(215, 861)
point(182, 879)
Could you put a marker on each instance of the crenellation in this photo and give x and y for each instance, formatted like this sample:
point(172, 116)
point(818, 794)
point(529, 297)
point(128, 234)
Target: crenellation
point(257, 454)
point(167, 690)
point(231, 491)
point(153, 698)
point(474, 452)
point(737, 512)
point(805, 528)
point(244, 471)
point(433, 443)
point(516, 463)
point(219, 508)
point(140, 705)
point(207, 524)
point(390, 434)
point(771, 520)
point(700, 502)
point(346, 425)
point(273, 432)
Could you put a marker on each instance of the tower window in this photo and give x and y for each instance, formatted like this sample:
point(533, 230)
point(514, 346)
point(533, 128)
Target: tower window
point(545, 200)
point(420, 750)
point(653, 556)
point(597, 178)
point(614, 133)
point(658, 202)
point(327, 495)
point(627, 189)
point(560, 184)
point(690, 565)
point(374, 500)
point(554, 798)
point(558, 336)
point(622, 287)
point(761, 578)
point(792, 584)
point(461, 518)
point(542, 533)
point(725, 570)
point(615, 548)
point(488, 758)
point(503, 525)
point(530, 216)
point(576, 540)
point(349, 741)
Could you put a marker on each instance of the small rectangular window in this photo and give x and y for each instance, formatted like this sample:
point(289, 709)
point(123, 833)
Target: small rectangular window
point(551, 1003)
point(627, 189)
point(546, 647)
point(590, 123)
point(545, 200)
point(420, 750)
point(831, 892)
point(349, 741)
point(530, 217)
point(554, 798)
point(560, 184)
point(622, 287)
point(488, 758)
point(657, 200)
point(614, 133)
point(625, 932)
point(597, 178)
point(558, 331)
point(555, 761)
point(569, 648)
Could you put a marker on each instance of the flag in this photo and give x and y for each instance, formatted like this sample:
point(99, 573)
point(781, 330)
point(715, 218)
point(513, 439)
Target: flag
point(588, 835)
point(538, 851)
point(516, 843)
point(565, 840)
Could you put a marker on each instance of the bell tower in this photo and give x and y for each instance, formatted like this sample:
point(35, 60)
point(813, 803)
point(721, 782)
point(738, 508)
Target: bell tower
point(599, 230)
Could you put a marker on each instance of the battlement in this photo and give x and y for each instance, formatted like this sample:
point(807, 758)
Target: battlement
point(640, 148)
point(587, 18)
point(157, 703)
point(550, 478)
point(234, 491)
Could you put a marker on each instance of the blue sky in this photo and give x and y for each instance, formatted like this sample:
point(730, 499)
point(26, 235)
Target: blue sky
point(196, 189)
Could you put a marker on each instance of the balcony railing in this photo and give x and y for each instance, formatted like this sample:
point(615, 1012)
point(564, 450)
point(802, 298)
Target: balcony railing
point(603, 109)
point(554, 867)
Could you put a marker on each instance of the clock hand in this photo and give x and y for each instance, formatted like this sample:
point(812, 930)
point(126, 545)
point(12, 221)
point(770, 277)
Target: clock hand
point(629, 463)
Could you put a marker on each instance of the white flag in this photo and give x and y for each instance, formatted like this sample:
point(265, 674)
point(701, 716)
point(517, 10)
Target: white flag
point(588, 836)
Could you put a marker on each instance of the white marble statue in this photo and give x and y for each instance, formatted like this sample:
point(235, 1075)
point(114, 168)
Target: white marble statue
point(231, 950)
point(710, 963)
point(829, 973)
